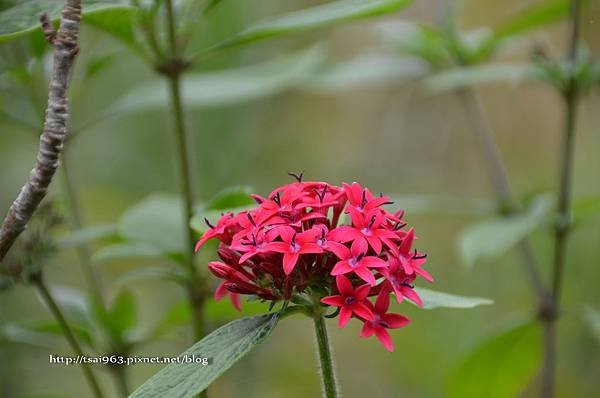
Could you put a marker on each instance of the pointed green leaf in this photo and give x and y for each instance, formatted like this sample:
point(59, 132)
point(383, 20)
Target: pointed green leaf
point(433, 299)
point(24, 17)
point(155, 221)
point(230, 198)
point(482, 74)
point(225, 346)
point(491, 238)
point(122, 313)
point(329, 14)
point(500, 367)
point(128, 250)
point(592, 317)
point(366, 70)
point(87, 235)
point(227, 87)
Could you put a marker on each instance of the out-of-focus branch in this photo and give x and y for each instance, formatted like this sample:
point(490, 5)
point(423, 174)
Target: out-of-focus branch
point(66, 46)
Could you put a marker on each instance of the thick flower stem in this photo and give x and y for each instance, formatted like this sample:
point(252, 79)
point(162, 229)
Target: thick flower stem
point(563, 225)
point(68, 333)
point(501, 182)
point(325, 359)
point(120, 376)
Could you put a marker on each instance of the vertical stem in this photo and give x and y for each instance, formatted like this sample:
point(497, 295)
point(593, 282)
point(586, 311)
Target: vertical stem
point(83, 251)
point(563, 225)
point(120, 377)
point(68, 332)
point(173, 75)
point(325, 358)
point(500, 181)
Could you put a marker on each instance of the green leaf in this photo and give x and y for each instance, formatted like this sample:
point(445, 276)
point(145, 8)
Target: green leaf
point(418, 40)
point(178, 315)
point(491, 238)
point(164, 273)
point(592, 318)
point(225, 346)
point(231, 198)
point(87, 235)
point(432, 299)
point(500, 367)
point(20, 334)
point(585, 210)
point(227, 87)
point(482, 74)
point(24, 17)
point(329, 14)
point(429, 204)
point(74, 304)
point(156, 221)
point(122, 313)
point(122, 251)
point(365, 71)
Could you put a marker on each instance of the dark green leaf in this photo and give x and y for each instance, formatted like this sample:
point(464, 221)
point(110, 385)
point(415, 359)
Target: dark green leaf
point(491, 238)
point(324, 15)
point(432, 299)
point(227, 87)
point(533, 17)
point(225, 346)
point(500, 367)
point(122, 313)
point(25, 16)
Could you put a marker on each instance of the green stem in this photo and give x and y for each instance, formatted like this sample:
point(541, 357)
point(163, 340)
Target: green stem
point(325, 358)
point(500, 182)
point(563, 225)
point(83, 250)
point(120, 376)
point(68, 332)
point(173, 75)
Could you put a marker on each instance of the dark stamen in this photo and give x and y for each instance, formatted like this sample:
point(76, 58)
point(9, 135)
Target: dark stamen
point(389, 202)
point(297, 176)
point(417, 257)
point(371, 222)
point(399, 225)
point(323, 234)
point(251, 219)
point(360, 256)
point(408, 285)
point(364, 198)
point(277, 199)
point(208, 223)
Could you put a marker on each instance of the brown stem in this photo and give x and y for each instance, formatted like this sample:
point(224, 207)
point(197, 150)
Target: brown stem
point(66, 45)
point(563, 225)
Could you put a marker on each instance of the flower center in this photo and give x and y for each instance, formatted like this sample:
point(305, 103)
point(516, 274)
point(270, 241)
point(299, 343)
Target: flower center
point(350, 300)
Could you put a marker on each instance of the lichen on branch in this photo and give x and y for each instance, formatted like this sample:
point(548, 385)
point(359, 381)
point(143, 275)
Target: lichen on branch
point(66, 45)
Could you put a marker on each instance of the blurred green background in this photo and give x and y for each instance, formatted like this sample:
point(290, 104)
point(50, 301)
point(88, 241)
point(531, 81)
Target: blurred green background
point(394, 138)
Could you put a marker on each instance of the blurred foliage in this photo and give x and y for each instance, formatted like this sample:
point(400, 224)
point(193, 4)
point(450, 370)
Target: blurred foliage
point(250, 127)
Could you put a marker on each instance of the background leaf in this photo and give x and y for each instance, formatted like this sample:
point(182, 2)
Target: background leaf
point(482, 74)
point(499, 367)
point(227, 87)
point(491, 238)
point(324, 15)
point(365, 71)
point(432, 299)
point(225, 346)
point(25, 17)
point(592, 317)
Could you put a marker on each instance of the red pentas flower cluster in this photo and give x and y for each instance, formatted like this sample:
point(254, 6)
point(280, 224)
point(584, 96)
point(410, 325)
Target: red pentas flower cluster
point(334, 245)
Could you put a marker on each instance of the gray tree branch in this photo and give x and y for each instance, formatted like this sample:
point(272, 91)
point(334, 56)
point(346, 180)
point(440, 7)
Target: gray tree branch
point(66, 45)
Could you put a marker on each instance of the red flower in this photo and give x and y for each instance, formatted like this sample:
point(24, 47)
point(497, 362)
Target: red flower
point(351, 301)
point(355, 260)
point(290, 248)
point(294, 244)
point(383, 321)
